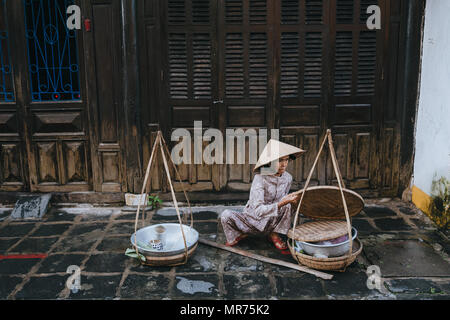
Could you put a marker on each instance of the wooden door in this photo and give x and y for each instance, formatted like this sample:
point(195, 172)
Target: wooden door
point(179, 81)
point(330, 76)
point(105, 85)
point(45, 129)
point(208, 70)
point(246, 75)
point(298, 66)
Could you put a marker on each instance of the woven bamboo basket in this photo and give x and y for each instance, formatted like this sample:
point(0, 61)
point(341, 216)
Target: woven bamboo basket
point(323, 204)
point(175, 258)
point(330, 264)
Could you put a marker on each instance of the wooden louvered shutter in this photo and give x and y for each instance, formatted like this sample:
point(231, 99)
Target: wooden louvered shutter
point(246, 74)
point(298, 65)
point(328, 76)
point(302, 95)
point(191, 78)
point(195, 83)
point(218, 69)
point(354, 100)
point(246, 59)
point(190, 35)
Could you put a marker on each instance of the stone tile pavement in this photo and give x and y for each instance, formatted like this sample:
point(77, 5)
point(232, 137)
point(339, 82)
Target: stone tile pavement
point(412, 255)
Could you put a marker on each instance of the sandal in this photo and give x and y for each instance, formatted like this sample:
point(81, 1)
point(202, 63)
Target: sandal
point(276, 240)
point(235, 242)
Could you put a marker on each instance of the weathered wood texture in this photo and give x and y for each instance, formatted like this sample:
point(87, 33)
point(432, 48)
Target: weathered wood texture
point(46, 145)
point(300, 66)
point(148, 65)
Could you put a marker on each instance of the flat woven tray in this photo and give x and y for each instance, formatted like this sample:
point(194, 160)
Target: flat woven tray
point(325, 202)
point(319, 230)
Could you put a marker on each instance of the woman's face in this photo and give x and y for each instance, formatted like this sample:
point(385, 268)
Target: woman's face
point(282, 164)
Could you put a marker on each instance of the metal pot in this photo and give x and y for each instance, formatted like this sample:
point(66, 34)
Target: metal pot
point(168, 235)
point(325, 251)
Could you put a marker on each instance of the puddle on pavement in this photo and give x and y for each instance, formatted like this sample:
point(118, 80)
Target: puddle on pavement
point(194, 286)
point(205, 263)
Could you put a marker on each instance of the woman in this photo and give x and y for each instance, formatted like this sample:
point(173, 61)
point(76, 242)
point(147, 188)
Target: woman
point(268, 210)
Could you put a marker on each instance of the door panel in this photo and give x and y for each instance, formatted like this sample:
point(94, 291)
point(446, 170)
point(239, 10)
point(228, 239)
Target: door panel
point(11, 166)
point(75, 160)
point(189, 73)
point(355, 99)
point(13, 176)
point(337, 70)
point(302, 36)
point(105, 76)
point(50, 98)
point(246, 76)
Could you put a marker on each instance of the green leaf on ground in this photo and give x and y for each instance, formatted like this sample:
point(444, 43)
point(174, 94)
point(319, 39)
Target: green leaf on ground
point(132, 253)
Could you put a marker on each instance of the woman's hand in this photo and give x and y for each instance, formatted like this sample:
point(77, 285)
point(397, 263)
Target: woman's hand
point(287, 199)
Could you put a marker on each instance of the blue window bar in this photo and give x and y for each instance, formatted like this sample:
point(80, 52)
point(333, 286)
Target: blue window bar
point(52, 51)
point(6, 75)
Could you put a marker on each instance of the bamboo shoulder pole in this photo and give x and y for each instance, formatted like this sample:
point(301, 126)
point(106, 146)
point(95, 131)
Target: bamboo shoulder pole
point(248, 254)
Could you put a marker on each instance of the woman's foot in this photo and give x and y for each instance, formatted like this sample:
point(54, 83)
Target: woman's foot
point(277, 241)
point(235, 242)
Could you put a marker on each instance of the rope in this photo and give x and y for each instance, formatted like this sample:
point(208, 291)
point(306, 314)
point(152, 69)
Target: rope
point(333, 156)
point(182, 186)
point(160, 140)
point(143, 190)
point(304, 191)
point(344, 202)
point(340, 183)
point(174, 200)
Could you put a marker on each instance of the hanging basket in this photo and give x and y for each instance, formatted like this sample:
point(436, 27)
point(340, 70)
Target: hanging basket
point(330, 264)
point(166, 244)
point(325, 202)
point(172, 260)
point(329, 205)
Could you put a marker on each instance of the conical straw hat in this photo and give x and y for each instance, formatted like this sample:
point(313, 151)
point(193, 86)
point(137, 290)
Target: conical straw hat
point(274, 150)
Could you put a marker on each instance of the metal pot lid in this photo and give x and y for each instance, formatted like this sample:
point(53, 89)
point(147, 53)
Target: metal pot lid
point(169, 239)
point(319, 230)
point(325, 202)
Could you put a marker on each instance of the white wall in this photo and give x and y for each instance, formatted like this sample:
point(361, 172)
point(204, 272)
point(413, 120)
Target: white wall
point(432, 154)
